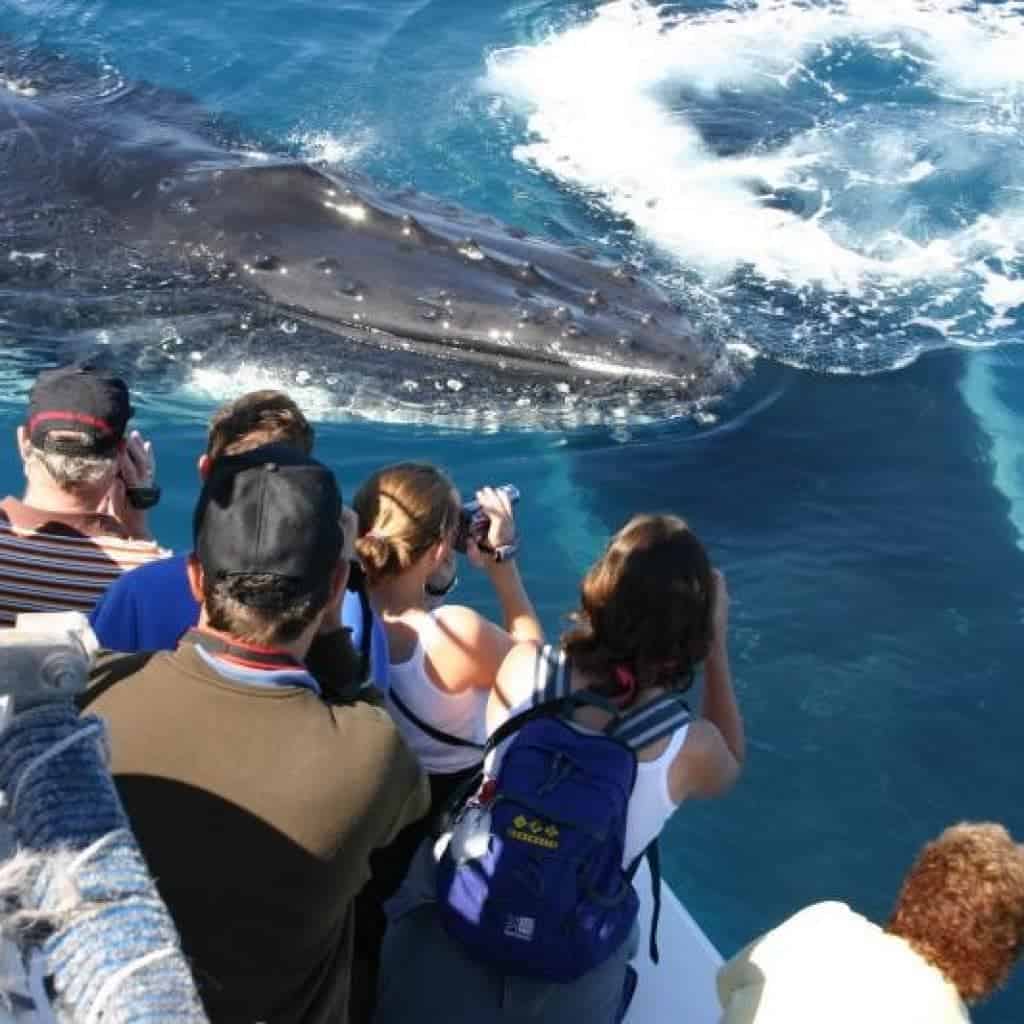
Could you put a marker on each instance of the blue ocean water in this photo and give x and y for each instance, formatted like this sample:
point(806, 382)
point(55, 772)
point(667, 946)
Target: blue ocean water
point(838, 188)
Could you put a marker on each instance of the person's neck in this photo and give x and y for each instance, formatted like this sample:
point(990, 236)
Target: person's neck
point(297, 648)
point(392, 598)
point(47, 496)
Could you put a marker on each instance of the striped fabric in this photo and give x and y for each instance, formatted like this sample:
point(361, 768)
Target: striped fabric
point(52, 562)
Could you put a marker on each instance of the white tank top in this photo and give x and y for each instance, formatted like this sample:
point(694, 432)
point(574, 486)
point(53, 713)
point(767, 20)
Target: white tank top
point(650, 804)
point(459, 714)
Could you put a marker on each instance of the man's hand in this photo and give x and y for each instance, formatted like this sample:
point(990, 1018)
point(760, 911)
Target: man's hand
point(136, 467)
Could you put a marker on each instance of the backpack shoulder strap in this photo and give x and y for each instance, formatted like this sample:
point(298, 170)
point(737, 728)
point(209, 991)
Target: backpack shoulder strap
point(652, 722)
point(552, 696)
point(550, 675)
point(653, 855)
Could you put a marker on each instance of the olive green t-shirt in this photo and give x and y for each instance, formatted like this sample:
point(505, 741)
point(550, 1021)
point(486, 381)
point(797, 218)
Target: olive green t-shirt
point(256, 809)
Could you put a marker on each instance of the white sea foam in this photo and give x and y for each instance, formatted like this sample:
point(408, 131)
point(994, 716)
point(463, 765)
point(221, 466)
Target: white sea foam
point(18, 86)
point(329, 147)
point(895, 219)
point(597, 98)
point(346, 398)
point(222, 384)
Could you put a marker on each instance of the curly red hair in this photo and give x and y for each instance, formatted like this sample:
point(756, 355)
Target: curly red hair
point(962, 907)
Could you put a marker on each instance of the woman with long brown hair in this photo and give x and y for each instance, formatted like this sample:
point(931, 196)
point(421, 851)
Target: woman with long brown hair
point(652, 611)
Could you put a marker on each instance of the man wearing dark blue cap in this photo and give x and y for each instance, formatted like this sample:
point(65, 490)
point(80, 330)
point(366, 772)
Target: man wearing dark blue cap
point(257, 802)
point(82, 520)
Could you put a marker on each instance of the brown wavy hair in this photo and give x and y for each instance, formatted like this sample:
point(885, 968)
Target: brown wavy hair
point(646, 605)
point(404, 510)
point(256, 419)
point(962, 907)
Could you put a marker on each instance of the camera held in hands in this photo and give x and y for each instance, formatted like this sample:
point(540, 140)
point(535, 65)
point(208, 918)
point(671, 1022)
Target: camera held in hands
point(474, 521)
point(45, 657)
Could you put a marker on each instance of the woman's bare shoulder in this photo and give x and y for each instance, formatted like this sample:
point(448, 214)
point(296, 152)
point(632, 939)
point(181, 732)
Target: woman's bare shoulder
point(704, 766)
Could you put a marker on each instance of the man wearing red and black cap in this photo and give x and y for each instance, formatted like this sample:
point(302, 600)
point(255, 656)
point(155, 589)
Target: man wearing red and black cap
point(82, 520)
point(256, 775)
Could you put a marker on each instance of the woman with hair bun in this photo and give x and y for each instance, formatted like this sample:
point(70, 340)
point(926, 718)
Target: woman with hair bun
point(444, 660)
point(652, 611)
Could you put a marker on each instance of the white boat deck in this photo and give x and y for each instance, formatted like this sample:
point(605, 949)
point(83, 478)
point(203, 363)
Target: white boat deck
point(680, 989)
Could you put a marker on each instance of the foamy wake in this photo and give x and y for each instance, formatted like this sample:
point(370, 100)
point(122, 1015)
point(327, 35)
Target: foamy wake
point(357, 397)
point(330, 148)
point(858, 204)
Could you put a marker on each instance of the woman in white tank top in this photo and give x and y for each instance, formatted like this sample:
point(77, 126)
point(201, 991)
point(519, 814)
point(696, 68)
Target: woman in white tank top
point(652, 610)
point(443, 662)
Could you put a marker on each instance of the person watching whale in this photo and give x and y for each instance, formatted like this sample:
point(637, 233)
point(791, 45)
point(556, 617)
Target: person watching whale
point(652, 610)
point(256, 800)
point(443, 660)
point(952, 940)
point(82, 520)
point(150, 608)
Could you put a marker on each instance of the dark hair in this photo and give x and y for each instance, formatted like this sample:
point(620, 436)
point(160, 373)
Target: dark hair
point(646, 606)
point(403, 511)
point(256, 419)
point(961, 907)
point(261, 609)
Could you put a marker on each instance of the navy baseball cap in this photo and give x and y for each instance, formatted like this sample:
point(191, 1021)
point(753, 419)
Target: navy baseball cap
point(270, 511)
point(78, 399)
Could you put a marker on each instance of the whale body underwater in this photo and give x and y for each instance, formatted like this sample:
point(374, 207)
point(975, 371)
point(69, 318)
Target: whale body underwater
point(97, 181)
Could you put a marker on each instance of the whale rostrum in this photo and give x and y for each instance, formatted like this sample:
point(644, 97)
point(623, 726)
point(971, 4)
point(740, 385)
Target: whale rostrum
point(379, 269)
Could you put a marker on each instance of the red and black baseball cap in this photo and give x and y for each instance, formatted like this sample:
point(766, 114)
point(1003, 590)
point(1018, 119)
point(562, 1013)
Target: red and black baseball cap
point(76, 398)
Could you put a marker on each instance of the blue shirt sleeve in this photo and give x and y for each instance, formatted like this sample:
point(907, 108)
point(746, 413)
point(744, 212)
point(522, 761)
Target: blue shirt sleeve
point(146, 609)
point(114, 619)
point(352, 617)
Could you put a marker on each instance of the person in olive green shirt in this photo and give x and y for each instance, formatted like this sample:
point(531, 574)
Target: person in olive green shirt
point(256, 774)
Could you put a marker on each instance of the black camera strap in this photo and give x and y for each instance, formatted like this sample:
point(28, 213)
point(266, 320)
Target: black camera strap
point(434, 734)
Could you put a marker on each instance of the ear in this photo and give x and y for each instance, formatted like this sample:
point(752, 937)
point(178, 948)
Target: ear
point(194, 571)
point(440, 553)
point(204, 465)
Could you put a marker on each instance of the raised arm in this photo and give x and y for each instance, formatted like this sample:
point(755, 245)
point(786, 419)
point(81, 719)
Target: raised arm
point(477, 647)
point(712, 756)
point(521, 622)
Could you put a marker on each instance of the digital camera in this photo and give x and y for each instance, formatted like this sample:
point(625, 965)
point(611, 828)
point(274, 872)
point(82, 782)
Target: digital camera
point(474, 522)
point(46, 657)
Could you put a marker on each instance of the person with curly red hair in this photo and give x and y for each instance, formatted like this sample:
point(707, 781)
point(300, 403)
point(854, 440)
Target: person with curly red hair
point(956, 932)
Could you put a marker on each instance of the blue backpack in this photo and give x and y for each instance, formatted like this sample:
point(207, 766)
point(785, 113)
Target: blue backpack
point(532, 879)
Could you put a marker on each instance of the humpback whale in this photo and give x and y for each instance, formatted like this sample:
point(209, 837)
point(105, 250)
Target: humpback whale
point(133, 178)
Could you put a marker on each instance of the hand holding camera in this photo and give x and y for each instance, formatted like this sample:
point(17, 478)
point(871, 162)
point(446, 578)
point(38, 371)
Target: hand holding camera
point(133, 490)
point(487, 531)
